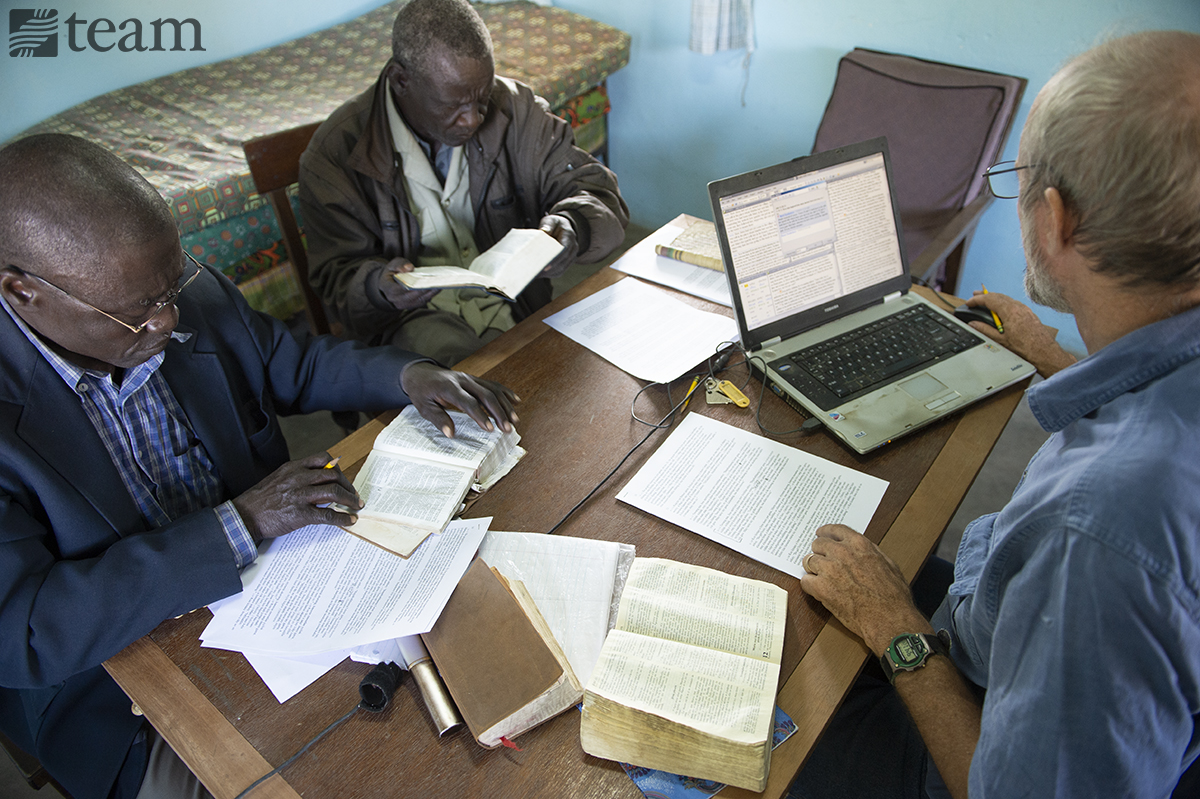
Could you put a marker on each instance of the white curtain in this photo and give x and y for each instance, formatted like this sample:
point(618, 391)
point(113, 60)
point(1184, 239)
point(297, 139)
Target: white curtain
point(722, 25)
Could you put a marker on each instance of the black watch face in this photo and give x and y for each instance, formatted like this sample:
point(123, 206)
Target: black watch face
point(908, 650)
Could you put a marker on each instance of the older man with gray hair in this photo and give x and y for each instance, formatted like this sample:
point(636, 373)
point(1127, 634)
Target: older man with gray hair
point(1067, 661)
point(432, 165)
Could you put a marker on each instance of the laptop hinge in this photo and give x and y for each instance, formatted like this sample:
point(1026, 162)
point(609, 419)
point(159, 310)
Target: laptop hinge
point(895, 295)
point(770, 342)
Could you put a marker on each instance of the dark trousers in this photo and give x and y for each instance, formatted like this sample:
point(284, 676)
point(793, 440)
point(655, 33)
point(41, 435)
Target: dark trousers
point(871, 747)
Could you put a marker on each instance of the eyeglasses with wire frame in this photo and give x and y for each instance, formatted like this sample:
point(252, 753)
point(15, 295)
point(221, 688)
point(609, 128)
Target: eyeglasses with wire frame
point(171, 298)
point(1003, 182)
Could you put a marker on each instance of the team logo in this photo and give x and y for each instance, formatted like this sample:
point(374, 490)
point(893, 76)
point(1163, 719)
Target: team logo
point(33, 32)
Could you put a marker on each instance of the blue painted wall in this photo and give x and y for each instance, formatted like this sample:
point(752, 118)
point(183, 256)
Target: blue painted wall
point(32, 89)
point(678, 119)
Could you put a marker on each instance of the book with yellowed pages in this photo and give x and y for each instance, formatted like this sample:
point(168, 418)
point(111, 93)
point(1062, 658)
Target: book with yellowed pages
point(415, 478)
point(686, 681)
point(504, 269)
point(697, 244)
point(498, 658)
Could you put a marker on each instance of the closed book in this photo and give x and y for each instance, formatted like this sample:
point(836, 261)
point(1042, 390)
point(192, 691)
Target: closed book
point(696, 245)
point(498, 659)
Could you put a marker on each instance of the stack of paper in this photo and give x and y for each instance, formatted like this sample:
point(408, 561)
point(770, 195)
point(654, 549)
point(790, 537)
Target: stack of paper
point(319, 594)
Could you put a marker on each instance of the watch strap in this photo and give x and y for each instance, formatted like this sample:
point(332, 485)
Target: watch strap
point(938, 644)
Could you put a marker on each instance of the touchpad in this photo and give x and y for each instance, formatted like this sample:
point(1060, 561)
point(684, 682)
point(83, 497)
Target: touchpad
point(923, 386)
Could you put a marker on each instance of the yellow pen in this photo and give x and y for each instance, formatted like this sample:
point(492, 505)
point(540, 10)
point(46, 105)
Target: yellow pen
point(996, 319)
point(688, 398)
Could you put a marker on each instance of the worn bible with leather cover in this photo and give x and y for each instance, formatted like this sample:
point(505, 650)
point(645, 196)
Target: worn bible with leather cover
point(498, 659)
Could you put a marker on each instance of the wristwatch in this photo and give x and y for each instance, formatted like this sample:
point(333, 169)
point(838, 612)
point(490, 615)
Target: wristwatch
point(909, 651)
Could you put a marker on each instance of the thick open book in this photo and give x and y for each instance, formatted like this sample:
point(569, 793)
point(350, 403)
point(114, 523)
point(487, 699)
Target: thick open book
point(505, 269)
point(686, 680)
point(499, 661)
point(697, 244)
point(415, 479)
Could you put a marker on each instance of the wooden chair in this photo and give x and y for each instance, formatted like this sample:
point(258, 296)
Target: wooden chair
point(945, 125)
point(275, 164)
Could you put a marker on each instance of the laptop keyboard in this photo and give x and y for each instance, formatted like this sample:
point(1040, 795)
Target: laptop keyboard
point(857, 362)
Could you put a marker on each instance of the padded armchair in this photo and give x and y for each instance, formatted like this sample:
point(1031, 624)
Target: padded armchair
point(275, 164)
point(945, 125)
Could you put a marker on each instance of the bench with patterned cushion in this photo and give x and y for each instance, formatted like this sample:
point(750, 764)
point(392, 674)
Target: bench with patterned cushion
point(184, 131)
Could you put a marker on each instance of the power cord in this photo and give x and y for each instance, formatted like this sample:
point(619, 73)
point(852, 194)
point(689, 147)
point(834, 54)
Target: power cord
point(375, 693)
point(809, 425)
point(936, 293)
point(717, 363)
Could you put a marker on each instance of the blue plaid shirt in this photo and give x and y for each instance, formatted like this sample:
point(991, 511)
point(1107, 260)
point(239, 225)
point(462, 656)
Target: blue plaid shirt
point(163, 465)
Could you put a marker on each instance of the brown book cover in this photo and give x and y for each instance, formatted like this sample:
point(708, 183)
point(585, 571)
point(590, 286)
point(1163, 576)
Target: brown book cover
point(503, 676)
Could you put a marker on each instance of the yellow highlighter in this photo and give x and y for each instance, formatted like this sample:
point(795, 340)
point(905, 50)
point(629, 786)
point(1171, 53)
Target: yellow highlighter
point(996, 319)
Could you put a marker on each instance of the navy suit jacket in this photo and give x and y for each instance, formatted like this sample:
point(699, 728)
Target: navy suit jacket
point(81, 575)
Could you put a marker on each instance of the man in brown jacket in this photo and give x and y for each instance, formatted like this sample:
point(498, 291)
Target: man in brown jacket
point(433, 165)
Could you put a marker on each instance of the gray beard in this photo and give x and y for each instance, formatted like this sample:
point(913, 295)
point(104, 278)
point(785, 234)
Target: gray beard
point(1040, 287)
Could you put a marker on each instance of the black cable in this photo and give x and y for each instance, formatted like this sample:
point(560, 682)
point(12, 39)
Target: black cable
point(289, 761)
point(716, 363)
point(375, 692)
point(936, 292)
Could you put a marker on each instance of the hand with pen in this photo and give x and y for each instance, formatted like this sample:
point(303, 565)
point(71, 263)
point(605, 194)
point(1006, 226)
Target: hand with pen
point(305, 491)
point(1021, 331)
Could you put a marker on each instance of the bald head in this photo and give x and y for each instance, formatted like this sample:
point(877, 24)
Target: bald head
point(1117, 133)
point(64, 201)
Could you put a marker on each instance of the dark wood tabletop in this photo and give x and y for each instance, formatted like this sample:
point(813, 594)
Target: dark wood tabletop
point(576, 426)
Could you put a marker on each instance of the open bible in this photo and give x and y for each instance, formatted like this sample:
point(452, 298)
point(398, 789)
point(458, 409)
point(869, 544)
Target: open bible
point(686, 681)
point(415, 479)
point(505, 269)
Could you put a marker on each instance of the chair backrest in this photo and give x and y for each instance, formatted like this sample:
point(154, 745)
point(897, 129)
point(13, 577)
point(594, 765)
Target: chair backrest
point(275, 164)
point(944, 124)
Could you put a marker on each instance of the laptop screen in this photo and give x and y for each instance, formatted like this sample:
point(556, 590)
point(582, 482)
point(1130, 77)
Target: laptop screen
point(809, 242)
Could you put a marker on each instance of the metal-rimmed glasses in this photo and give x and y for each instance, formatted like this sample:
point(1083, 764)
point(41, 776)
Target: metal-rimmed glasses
point(1003, 182)
point(171, 298)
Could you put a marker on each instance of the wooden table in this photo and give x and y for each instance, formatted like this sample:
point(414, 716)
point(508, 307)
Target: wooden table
point(575, 424)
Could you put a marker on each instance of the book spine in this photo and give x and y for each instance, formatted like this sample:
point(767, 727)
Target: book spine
point(693, 258)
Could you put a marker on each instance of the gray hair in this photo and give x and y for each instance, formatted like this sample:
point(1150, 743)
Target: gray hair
point(1117, 133)
point(453, 23)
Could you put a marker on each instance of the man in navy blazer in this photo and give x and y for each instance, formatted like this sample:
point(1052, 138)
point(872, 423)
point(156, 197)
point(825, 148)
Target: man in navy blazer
point(141, 458)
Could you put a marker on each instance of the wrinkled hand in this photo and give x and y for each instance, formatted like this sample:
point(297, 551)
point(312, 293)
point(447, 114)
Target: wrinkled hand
point(433, 389)
point(562, 230)
point(288, 498)
point(1023, 333)
point(861, 586)
point(395, 292)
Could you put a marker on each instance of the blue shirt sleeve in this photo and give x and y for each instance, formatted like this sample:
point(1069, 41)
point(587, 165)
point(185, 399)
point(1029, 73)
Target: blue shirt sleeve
point(240, 540)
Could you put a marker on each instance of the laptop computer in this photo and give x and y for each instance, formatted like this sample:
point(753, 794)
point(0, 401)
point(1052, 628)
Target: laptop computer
point(820, 284)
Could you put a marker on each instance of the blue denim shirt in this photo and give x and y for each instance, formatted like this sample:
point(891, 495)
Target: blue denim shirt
point(1078, 605)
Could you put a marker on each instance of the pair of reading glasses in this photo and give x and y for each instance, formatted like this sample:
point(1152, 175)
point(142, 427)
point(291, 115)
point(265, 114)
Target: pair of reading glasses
point(171, 297)
point(1003, 182)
